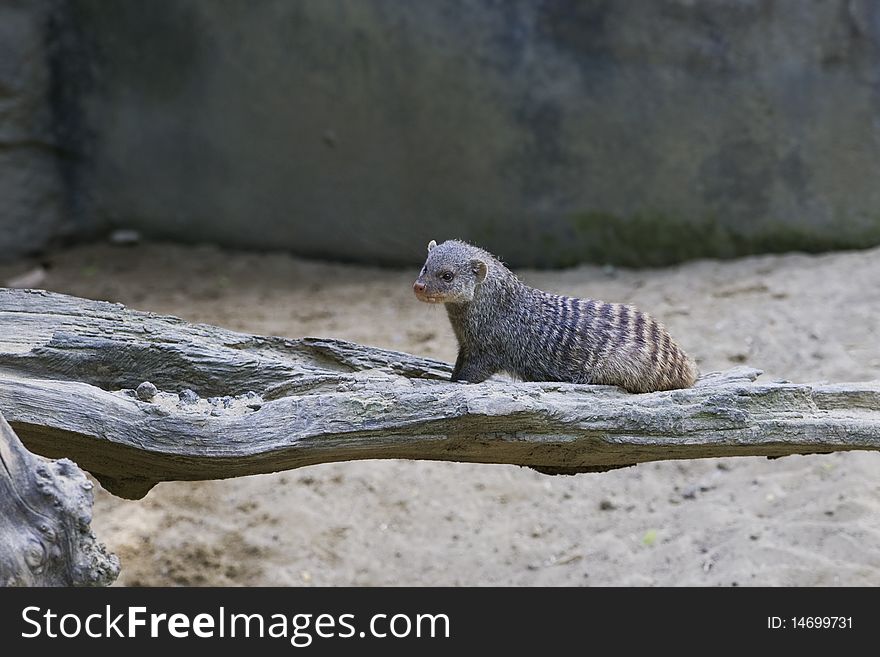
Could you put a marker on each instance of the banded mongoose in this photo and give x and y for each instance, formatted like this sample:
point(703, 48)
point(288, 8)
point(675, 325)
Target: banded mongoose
point(503, 325)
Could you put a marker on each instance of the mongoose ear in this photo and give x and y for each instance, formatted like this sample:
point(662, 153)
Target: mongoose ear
point(431, 245)
point(480, 269)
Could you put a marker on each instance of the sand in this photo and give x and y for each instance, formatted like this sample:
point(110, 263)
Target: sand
point(812, 520)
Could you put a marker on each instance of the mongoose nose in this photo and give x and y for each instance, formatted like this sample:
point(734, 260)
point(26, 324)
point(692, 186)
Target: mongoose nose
point(418, 287)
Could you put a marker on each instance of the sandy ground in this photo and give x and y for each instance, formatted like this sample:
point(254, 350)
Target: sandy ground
point(734, 522)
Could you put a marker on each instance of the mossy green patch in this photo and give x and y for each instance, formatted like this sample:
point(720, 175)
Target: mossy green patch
point(654, 240)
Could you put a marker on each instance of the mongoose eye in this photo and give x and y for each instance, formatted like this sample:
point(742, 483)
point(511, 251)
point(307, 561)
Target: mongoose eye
point(447, 276)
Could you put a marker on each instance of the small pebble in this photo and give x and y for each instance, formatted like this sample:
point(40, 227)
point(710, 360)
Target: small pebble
point(188, 396)
point(146, 391)
point(29, 280)
point(125, 237)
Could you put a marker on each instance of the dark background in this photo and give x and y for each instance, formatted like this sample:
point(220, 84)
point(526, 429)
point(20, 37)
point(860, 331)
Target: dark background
point(552, 132)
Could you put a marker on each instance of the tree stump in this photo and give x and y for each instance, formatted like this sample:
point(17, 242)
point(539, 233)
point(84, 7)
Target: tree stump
point(45, 512)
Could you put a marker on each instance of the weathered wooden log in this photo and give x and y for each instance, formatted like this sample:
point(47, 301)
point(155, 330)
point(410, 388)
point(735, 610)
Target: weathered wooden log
point(45, 513)
point(224, 404)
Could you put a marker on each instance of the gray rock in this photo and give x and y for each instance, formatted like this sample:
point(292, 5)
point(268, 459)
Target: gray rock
point(125, 237)
point(31, 279)
point(188, 397)
point(146, 391)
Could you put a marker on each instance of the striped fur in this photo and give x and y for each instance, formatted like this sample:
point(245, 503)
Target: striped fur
point(503, 325)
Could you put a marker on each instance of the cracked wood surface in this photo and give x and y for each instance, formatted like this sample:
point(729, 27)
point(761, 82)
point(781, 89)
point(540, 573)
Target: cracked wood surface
point(225, 404)
point(45, 516)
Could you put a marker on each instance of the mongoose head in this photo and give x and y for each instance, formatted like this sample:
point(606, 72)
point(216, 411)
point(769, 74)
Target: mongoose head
point(452, 273)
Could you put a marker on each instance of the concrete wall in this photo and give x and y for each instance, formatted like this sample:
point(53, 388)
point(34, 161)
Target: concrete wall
point(31, 188)
point(549, 131)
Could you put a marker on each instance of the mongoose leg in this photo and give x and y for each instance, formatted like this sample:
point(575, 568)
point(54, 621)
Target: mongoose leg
point(471, 369)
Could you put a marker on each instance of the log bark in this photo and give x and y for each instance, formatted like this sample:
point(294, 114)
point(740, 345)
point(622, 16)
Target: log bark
point(137, 398)
point(45, 512)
